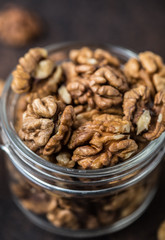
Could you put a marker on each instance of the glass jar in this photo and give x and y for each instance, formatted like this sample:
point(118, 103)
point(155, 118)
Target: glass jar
point(72, 202)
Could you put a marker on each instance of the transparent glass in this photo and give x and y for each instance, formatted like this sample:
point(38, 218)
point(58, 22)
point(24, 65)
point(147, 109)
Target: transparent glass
point(73, 202)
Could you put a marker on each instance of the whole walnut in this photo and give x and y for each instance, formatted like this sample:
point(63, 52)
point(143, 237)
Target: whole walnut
point(19, 26)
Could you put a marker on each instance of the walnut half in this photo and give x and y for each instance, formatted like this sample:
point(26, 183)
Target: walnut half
point(102, 141)
point(47, 123)
point(33, 64)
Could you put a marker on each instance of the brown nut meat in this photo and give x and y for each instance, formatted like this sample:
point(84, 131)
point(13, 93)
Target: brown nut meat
point(93, 156)
point(39, 202)
point(136, 75)
point(62, 131)
point(134, 99)
point(80, 92)
point(98, 57)
point(45, 88)
point(104, 57)
point(161, 231)
point(85, 69)
point(27, 67)
point(18, 26)
point(103, 151)
point(45, 107)
point(99, 133)
point(112, 125)
point(124, 148)
point(159, 107)
point(146, 80)
point(21, 80)
point(113, 76)
point(84, 116)
point(2, 83)
point(99, 89)
point(64, 95)
point(82, 56)
point(96, 161)
point(37, 127)
point(143, 121)
point(63, 218)
point(38, 121)
point(69, 70)
point(159, 80)
point(151, 62)
point(106, 84)
point(64, 160)
point(132, 68)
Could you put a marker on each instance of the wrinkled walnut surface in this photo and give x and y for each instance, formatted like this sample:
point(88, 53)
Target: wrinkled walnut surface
point(42, 119)
point(161, 231)
point(90, 111)
point(2, 83)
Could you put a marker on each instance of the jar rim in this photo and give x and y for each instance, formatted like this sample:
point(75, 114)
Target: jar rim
point(21, 148)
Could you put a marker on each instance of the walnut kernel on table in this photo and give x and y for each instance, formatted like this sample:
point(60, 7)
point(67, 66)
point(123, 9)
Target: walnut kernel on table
point(89, 111)
point(19, 26)
point(161, 231)
point(2, 83)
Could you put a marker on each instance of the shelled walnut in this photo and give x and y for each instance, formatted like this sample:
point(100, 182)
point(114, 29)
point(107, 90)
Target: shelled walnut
point(2, 83)
point(46, 123)
point(145, 70)
point(33, 64)
point(102, 141)
point(161, 231)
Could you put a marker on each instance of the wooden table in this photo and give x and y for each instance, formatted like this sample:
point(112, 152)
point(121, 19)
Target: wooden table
point(139, 25)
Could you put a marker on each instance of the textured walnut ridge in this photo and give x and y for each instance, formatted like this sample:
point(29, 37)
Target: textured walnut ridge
point(90, 111)
point(2, 83)
point(144, 70)
point(93, 79)
point(47, 123)
point(161, 231)
point(102, 142)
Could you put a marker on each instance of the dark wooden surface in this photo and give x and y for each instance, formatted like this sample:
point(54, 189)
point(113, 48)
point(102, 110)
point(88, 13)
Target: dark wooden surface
point(139, 25)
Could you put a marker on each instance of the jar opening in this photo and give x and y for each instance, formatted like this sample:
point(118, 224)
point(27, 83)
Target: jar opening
point(19, 147)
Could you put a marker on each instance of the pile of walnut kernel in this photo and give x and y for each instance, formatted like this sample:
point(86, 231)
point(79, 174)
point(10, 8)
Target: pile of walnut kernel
point(90, 111)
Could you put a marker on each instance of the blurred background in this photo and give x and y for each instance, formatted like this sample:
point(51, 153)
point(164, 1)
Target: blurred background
point(138, 25)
